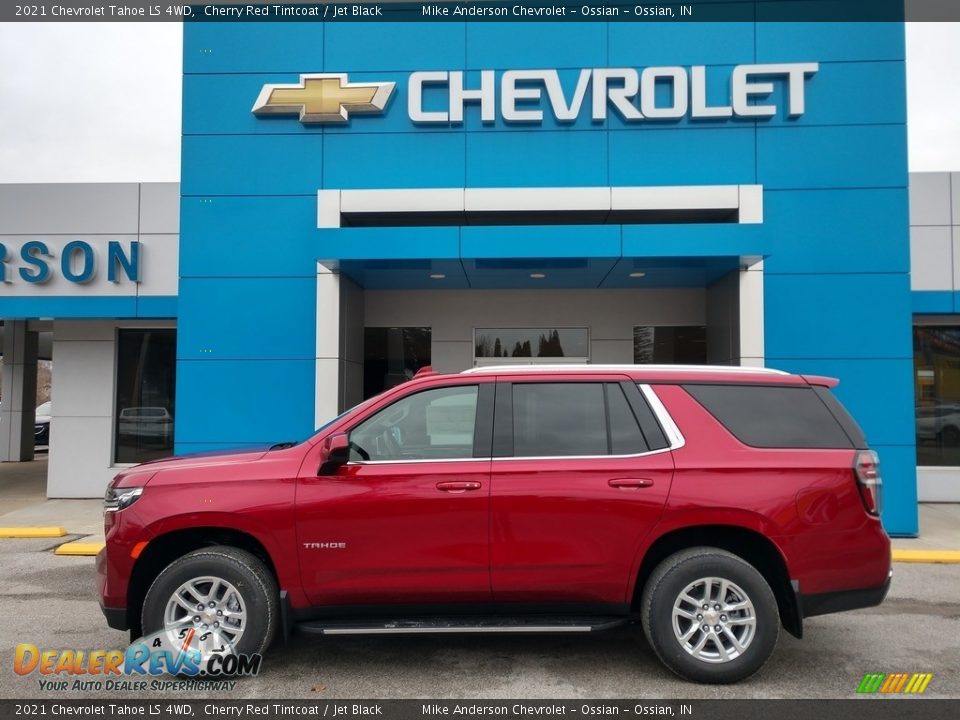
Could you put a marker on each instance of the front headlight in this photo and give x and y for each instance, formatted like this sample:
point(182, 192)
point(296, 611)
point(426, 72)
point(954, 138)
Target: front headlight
point(120, 498)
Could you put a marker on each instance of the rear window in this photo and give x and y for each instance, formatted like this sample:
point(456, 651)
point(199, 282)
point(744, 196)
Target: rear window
point(773, 416)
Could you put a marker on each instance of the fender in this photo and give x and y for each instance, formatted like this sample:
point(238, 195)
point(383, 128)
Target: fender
point(282, 552)
point(673, 520)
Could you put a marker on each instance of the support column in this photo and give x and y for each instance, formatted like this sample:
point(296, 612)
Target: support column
point(751, 316)
point(18, 410)
point(339, 361)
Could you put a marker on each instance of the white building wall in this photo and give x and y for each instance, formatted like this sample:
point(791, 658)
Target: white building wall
point(83, 401)
point(96, 213)
point(84, 351)
point(935, 231)
point(610, 314)
point(81, 447)
point(935, 266)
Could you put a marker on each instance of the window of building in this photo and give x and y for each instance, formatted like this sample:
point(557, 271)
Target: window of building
point(146, 378)
point(392, 355)
point(670, 344)
point(936, 359)
point(527, 345)
point(431, 425)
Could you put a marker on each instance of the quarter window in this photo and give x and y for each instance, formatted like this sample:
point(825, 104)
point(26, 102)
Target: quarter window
point(430, 425)
point(773, 417)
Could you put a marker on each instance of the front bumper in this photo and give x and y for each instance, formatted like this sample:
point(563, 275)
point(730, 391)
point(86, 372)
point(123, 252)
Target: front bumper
point(116, 617)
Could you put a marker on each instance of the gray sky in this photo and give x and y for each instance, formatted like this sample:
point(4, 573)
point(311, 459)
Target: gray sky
point(89, 102)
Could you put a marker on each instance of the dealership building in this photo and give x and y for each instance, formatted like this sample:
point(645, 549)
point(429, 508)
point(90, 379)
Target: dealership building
point(360, 200)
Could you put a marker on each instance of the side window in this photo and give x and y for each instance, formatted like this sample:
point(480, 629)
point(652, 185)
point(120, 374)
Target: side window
point(430, 425)
point(557, 419)
point(772, 416)
point(625, 435)
point(570, 419)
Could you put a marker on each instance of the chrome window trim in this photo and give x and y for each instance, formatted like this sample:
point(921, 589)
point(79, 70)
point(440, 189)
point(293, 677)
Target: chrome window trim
point(515, 457)
point(674, 436)
point(425, 460)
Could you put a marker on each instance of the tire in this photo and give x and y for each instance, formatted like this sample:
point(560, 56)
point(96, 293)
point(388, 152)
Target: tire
point(253, 588)
point(718, 659)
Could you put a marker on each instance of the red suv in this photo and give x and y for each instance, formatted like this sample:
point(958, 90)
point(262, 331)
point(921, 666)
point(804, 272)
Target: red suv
point(712, 504)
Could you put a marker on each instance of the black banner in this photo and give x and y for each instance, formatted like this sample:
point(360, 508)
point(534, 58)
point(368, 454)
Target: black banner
point(865, 708)
point(485, 11)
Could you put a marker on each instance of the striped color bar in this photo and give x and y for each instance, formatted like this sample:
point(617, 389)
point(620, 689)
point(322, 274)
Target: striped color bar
point(893, 683)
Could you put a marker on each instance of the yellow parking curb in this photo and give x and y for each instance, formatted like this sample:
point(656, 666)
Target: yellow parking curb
point(32, 532)
point(79, 548)
point(926, 556)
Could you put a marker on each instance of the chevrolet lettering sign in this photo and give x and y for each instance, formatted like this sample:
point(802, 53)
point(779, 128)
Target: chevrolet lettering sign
point(524, 96)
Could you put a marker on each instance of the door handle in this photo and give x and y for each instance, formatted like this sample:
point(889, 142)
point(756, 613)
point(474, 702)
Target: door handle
point(458, 486)
point(630, 483)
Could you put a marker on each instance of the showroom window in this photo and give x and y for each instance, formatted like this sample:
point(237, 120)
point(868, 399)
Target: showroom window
point(670, 344)
point(530, 345)
point(392, 355)
point(146, 378)
point(936, 360)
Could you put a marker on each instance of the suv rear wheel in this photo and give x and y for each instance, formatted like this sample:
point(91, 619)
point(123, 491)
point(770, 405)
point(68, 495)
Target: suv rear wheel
point(710, 616)
point(225, 594)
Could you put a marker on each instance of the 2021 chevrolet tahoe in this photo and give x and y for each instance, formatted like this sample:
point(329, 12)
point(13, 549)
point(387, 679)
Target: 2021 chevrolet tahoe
point(711, 504)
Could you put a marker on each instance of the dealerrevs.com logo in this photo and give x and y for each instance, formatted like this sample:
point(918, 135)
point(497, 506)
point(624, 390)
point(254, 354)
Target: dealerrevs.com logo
point(894, 683)
point(193, 658)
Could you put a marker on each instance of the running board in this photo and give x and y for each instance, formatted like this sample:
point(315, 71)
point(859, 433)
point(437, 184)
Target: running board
point(471, 624)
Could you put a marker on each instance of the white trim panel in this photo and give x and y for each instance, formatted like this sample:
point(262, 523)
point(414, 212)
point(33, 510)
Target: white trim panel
point(938, 484)
point(748, 199)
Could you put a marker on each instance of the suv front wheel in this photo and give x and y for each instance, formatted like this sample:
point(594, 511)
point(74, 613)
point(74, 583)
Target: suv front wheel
point(225, 594)
point(710, 616)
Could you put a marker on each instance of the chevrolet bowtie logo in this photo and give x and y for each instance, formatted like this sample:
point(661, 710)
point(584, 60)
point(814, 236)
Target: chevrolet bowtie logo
point(323, 98)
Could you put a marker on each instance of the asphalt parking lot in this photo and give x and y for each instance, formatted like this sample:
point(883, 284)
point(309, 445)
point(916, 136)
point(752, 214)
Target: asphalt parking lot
point(49, 601)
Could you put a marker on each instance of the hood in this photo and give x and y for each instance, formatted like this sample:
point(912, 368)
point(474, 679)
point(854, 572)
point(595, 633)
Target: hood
point(210, 457)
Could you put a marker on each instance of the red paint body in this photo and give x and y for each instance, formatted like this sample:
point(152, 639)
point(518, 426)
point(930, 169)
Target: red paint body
point(513, 530)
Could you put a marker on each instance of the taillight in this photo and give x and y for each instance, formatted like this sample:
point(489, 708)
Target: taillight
point(866, 467)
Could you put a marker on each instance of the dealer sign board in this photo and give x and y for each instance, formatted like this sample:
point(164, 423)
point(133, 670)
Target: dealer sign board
point(528, 96)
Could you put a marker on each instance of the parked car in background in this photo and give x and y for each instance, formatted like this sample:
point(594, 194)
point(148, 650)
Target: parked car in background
point(939, 422)
point(145, 422)
point(41, 424)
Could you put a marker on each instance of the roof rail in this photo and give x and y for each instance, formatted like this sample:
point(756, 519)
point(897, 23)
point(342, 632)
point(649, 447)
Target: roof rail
point(733, 369)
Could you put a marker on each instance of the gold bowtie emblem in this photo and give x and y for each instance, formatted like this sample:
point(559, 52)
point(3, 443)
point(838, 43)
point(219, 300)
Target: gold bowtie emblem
point(323, 98)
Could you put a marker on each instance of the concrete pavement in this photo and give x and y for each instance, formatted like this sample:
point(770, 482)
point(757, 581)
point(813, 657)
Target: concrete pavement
point(53, 603)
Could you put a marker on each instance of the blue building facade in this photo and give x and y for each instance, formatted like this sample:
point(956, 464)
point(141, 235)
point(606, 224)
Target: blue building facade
point(358, 200)
point(832, 241)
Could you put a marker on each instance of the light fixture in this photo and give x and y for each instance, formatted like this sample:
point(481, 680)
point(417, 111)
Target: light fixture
point(637, 274)
point(537, 276)
point(437, 276)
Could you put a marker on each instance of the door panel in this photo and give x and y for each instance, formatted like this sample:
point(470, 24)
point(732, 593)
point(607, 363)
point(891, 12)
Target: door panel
point(565, 526)
point(407, 520)
point(560, 532)
point(406, 540)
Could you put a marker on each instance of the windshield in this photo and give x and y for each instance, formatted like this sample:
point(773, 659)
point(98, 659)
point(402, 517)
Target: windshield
point(331, 421)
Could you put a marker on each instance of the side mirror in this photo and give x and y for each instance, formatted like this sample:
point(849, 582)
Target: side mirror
point(337, 453)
